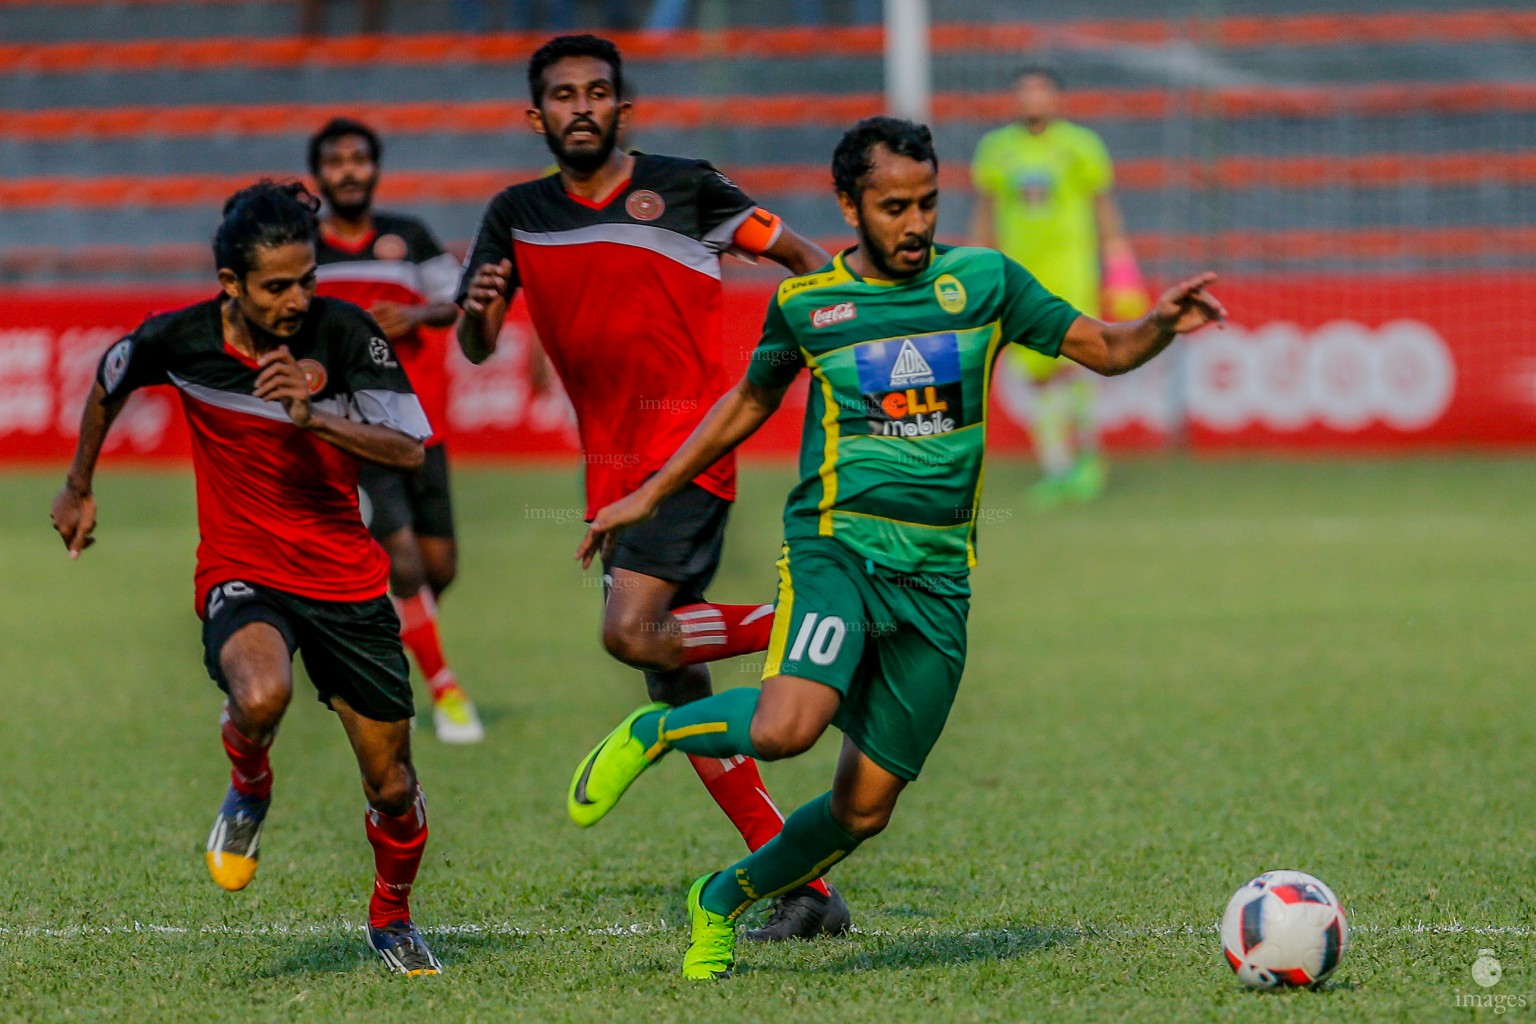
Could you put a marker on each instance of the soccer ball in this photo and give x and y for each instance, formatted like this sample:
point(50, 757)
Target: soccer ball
point(1284, 929)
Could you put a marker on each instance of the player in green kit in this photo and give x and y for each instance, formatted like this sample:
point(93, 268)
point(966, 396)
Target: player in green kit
point(900, 337)
point(1044, 197)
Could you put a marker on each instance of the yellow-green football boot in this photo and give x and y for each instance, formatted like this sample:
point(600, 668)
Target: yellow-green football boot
point(604, 775)
point(711, 953)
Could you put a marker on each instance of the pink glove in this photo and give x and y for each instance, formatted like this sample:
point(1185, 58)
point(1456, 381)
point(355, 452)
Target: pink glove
point(1125, 293)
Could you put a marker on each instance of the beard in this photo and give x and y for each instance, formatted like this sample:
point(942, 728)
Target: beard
point(352, 210)
point(267, 339)
point(884, 262)
point(584, 161)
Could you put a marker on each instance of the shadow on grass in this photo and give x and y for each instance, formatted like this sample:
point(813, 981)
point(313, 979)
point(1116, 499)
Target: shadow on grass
point(889, 952)
point(903, 952)
point(493, 715)
point(319, 955)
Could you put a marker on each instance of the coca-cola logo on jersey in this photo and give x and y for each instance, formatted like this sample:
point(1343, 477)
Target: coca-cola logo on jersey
point(829, 315)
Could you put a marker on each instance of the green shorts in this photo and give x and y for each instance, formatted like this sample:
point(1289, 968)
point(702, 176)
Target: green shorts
point(892, 644)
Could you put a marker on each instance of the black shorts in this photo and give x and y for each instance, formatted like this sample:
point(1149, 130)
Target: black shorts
point(680, 544)
point(351, 649)
point(394, 500)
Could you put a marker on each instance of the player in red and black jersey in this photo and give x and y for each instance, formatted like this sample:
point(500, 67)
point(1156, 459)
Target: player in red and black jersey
point(618, 256)
point(285, 395)
point(394, 268)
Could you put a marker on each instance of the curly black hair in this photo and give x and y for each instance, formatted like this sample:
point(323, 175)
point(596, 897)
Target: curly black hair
point(851, 161)
point(266, 214)
point(562, 47)
point(340, 127)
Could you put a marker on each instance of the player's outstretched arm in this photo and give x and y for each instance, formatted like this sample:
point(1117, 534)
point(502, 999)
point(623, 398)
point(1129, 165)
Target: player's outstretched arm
point(74, 507)
point(485, 308)
point(1116, 348)
point(734, 418)
point(797, 254)
point(398, 319)
point(281, 380)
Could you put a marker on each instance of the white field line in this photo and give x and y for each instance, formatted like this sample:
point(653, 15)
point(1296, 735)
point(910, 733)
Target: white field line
point(342, 927)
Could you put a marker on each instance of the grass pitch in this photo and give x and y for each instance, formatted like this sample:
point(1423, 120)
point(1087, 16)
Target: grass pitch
point(1218, 669)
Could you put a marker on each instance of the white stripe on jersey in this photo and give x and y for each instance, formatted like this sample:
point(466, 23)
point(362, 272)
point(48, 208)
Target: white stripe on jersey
point(397, 410)
point(404, 273)
point(690, 252)
point(440, 278)
point(234, 401)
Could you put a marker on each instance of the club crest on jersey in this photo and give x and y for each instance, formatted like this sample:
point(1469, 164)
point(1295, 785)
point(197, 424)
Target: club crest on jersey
point(911, 386)
point(390, 247)
point(841, 313)
point(314, 375)
point(950, 293)
point(380, 352)
point(644, 205)
point(115, 367)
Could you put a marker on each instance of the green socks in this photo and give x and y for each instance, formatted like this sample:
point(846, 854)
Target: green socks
point(811, 840)
point(718, 726)
point(810, 843)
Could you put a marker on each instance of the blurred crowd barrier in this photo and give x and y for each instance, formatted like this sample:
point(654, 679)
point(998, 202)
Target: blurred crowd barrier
point(1362, 173)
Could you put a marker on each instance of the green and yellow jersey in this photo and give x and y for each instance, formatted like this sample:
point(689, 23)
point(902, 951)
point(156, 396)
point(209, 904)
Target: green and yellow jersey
point(895, 423)
point(1043, 189)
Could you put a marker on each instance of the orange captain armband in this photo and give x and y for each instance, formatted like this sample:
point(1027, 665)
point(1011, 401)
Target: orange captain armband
point(758, 232)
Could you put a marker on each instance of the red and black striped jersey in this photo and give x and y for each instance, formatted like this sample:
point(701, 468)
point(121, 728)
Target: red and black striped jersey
point(625, 297)
point(398, 261)
point(276, 505)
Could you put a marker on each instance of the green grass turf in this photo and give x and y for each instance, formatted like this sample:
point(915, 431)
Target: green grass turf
point(1218, 669)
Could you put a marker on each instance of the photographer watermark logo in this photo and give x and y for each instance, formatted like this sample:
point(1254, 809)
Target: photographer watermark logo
point(1487, 972)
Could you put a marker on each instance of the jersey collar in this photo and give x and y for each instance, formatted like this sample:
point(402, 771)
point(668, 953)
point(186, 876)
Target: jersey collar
point(356, 248)
point(607, 200)
point(840, 262)
point(298, 344)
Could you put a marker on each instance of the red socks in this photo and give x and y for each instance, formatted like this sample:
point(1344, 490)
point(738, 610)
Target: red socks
point(738, 788)
point(398, 844)
point(418, 631)
point(715, 631)
point(249, 772)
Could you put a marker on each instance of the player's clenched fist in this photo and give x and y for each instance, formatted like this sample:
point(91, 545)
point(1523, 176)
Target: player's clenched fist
point(487, 286)
point(281, 380)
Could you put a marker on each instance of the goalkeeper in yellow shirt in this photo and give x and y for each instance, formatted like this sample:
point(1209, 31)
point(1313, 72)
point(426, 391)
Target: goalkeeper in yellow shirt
point(1043, 197)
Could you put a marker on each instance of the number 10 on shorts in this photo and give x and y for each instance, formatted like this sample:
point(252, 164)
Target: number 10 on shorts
point(823, 639)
